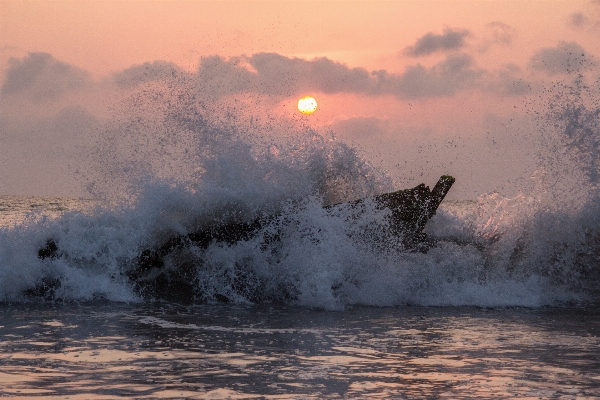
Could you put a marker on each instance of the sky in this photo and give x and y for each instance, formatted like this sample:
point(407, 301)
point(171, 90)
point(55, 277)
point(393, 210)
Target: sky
point(420, 88)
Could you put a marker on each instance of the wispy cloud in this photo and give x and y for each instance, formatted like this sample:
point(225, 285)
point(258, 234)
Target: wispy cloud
point(578, 20)
point(509, 81)
point(498, 33)
point(432, 43)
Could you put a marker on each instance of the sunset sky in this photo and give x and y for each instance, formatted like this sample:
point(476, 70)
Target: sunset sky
point(422, 88)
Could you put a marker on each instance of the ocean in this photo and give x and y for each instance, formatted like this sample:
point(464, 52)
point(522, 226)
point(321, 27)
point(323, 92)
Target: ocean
point(326, 302)
point(104, 350)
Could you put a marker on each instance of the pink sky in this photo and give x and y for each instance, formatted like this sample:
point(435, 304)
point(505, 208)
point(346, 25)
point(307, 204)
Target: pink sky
point(455, 72)
point(108, 36)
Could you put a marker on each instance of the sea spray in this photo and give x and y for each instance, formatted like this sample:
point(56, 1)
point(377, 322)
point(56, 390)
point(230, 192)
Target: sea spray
point(171, 169)
point(552, 231)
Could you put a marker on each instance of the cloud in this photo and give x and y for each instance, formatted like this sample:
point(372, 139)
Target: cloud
point(499, 33)
point(444, 79)
point(147, 72)
point(567, 57)
point(432, 43)
point(219, 77)
point(578, 20)
point(276, 75)
point(361, 128)
point(39, 77)
point(509, 82)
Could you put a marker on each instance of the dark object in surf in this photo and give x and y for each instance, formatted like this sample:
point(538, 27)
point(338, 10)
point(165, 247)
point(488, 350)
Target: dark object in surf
point(159, 272)
point(162, 272)
point(50, 250)
point(411, 209)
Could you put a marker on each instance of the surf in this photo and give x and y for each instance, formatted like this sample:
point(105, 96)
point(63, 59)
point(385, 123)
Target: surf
point(536, 249)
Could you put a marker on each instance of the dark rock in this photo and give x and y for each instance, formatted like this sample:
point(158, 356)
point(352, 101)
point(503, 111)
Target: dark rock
point(50, 250)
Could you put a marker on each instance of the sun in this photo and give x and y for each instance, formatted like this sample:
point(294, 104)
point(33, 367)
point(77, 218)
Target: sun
point(307, 105)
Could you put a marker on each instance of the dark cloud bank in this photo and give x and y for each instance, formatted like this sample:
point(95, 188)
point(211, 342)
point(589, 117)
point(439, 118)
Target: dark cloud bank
point(278, 76)
point(39, 77)
point(275, 75)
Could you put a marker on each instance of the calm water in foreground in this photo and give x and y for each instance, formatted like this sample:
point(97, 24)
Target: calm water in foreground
point(112, 350)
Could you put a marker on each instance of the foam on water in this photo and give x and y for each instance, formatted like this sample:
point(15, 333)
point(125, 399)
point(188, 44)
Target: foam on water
point(170, 171)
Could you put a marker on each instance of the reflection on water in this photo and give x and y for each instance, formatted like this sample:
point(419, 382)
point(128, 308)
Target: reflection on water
point(210, 351)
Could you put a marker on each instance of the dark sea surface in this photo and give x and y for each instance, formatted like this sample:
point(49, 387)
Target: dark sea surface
point(111, 350)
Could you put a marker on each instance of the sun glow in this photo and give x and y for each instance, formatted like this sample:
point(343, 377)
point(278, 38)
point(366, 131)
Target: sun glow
point(307, 105)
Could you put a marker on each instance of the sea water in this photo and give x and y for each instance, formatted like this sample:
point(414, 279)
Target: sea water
point(132, 349)
point(503, 305)
point(116, 350)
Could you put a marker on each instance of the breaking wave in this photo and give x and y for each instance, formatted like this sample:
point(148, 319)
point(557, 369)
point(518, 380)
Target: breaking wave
point(169, 168)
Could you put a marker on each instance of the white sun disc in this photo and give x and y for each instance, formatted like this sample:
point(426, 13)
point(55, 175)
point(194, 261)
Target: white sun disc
point(307, 105)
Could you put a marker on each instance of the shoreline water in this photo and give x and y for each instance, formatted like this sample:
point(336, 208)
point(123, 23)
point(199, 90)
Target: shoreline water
point(160, 350)
point(15, 209)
